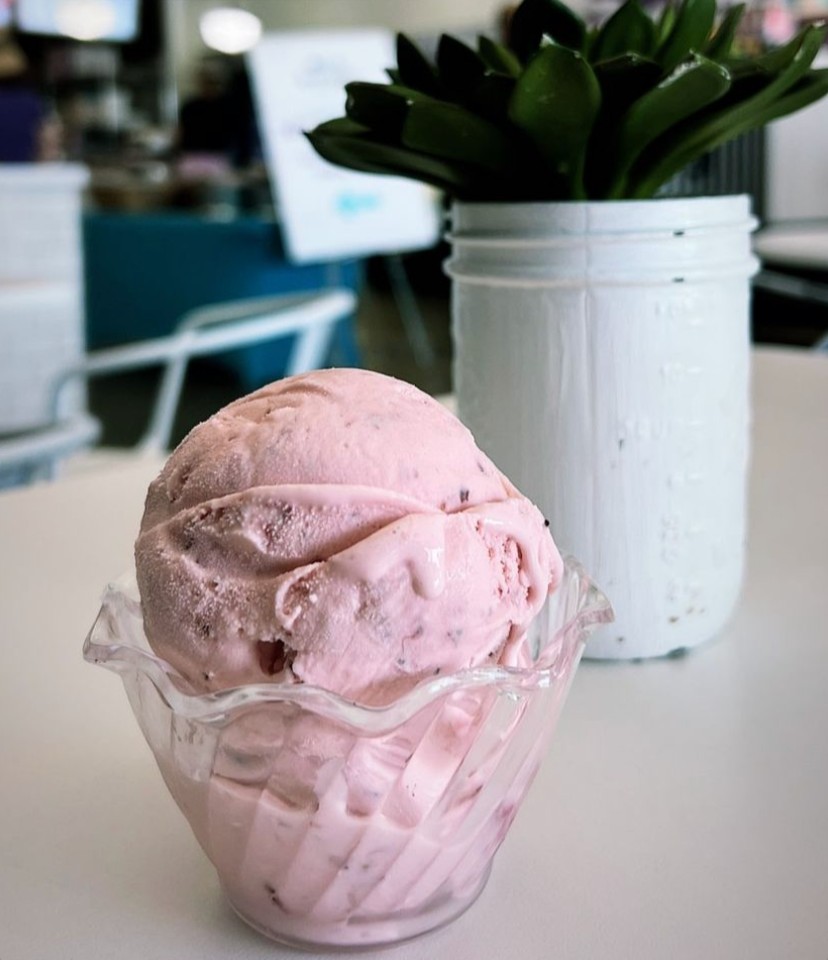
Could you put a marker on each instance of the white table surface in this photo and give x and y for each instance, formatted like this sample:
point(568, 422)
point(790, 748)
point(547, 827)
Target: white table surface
point(682, 812)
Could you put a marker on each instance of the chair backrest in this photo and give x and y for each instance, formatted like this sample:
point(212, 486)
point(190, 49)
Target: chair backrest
point(32, 456)
point(208, 330)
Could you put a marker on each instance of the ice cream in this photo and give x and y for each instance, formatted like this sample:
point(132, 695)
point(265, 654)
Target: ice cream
point(320, 562)
point(341, 529)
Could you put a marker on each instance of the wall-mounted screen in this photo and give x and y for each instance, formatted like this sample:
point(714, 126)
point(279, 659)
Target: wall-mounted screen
point(108, 20)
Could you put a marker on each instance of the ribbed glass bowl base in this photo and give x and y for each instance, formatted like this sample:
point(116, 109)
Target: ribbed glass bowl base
point(336, 825)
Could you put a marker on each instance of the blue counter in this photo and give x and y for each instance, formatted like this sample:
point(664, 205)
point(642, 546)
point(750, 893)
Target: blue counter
point(144, 271)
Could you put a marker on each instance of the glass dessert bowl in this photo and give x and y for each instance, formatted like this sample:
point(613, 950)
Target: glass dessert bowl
point(337, 825)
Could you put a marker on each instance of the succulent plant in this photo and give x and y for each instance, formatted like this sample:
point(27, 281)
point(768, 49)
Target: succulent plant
point(564, 112)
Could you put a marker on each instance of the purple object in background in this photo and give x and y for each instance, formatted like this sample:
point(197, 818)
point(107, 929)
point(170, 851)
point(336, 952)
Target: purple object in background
point(21, 112)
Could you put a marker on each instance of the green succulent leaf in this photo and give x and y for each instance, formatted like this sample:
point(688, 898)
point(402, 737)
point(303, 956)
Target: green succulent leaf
point(535, 19)
point(498, 58)
point(781, 94)
point(358, 152)
point(623, 80)
point(693, 85)
point(665, 23)
point(776, 60)
point(719, 45)
point(805, 92)
point(451, 132)
point(556, 101)
point(381, 107)
point(414, 68)
point(459, 68)
point(339, 127)
point(753, 76)
point(492, 96)
point(589, 42)
point(393, 75)
point(688, 33)
point(628, 30)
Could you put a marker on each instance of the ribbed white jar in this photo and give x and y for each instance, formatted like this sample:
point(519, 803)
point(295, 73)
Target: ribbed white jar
point(602, 360)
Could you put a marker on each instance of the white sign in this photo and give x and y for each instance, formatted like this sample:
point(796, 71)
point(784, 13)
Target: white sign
point(327, 212)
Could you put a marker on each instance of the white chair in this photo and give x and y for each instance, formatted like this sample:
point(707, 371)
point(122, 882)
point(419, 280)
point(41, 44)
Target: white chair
point(207, 330)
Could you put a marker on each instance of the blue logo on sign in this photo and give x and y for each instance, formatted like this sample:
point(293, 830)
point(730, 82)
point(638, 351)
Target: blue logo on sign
point(350, 204)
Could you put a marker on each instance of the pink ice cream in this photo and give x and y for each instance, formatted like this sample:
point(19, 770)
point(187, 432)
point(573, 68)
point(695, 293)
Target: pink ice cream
point(340, 529)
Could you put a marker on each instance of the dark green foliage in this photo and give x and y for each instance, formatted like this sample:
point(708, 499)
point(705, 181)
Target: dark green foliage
point(566, 113)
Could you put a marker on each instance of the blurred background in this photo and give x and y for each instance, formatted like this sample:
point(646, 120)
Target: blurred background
point(152, 162)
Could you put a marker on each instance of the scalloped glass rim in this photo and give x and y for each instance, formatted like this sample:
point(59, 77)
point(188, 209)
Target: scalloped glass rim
point(120, 609)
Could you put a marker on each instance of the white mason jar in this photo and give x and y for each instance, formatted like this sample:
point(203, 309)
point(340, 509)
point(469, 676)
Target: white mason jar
point(602, 361)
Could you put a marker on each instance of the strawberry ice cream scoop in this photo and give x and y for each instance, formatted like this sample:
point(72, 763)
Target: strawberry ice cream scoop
point(339, 528)
point(340, 531)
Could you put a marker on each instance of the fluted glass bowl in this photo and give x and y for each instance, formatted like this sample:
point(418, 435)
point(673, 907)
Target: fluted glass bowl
point(336, 825)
